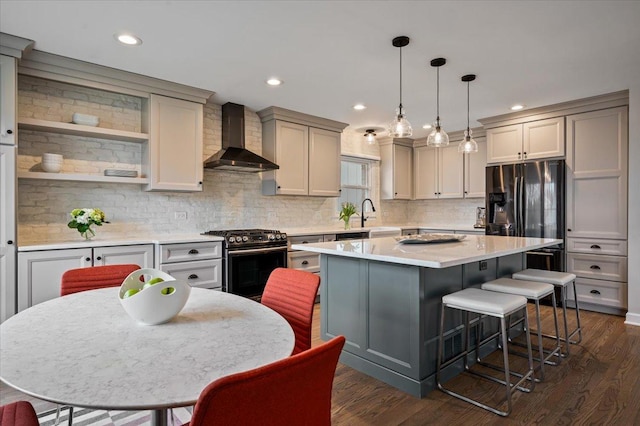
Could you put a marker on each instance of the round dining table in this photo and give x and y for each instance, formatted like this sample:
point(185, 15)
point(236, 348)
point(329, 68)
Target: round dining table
point(84, 350)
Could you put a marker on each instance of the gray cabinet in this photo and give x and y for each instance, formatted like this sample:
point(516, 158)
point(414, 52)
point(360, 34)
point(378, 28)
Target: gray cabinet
point(40, 272)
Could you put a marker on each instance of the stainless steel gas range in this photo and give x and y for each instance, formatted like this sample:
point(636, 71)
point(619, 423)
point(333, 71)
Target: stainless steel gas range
point(249, 257)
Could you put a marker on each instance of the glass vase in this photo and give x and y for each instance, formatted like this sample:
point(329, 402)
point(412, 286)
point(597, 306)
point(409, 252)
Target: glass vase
point(347, 224)
point(88, 234)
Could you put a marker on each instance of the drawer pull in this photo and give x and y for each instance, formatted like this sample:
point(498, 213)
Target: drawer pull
point(305, 262)
point(305, 242)
point(192, 277)
point(596, 267)
point(595, 246)
point(594, 292)
point(193, 251)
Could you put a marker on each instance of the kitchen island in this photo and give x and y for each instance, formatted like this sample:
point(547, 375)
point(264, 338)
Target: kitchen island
point(385, 298)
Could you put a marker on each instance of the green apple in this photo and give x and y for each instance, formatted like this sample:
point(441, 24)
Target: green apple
point(155, 280)
point(130, 292)
point(167, 290)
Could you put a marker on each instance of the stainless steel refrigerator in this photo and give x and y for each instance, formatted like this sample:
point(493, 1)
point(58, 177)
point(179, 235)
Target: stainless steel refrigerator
point(528, 200)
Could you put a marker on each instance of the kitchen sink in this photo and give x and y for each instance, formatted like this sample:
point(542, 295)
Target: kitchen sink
point(384, 231)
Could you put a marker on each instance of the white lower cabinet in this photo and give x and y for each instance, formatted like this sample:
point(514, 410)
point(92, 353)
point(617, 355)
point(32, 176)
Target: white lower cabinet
point(197, 263)
point(40, 272)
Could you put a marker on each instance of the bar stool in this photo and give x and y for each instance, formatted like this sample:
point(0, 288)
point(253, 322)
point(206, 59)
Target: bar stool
point(498, 305)
point(535, 291)
point(561, 280)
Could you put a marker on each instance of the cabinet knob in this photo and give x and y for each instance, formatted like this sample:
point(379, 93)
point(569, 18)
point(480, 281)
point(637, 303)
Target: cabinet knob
point(594, 292)
point(569, 230)
point(305, 262)
point(595, 246)
point(305, 242)
point(466, 192)
point(193, 251)
point(525, 155)
point(99, 258)
point(519, 155)
point(192, 277)
point(10, 242)
point(395, 193)
point(595, 267)
point(88, 259)
point(278, 186)
point(9, 132)
point(200, 183)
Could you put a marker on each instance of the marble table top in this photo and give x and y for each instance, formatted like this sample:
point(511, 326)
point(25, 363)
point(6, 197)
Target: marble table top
point(470, 249)
point(83, 349)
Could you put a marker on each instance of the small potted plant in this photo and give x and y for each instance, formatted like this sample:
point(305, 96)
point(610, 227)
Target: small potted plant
point(348, 210)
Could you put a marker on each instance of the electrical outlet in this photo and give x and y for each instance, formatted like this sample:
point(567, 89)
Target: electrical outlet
point(483, 265)
point(180, 215)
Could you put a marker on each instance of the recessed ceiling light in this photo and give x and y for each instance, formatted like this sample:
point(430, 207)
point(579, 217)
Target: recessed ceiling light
point(128, 39)
point(274, 82)
point(359, 107)
point(426, 126)
point(517, 107)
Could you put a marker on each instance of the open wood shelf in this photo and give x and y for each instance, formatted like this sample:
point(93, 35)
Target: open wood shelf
point(80, 130)
point(82, 177)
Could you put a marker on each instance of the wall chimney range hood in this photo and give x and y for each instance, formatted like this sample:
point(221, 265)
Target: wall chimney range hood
point(234, 156)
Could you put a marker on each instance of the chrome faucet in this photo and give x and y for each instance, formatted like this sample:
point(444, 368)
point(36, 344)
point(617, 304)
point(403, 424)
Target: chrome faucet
point(362, 218)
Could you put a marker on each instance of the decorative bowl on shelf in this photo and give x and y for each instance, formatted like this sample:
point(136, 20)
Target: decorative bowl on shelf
point(153, 297)
point(51, 163)
point(85, 119)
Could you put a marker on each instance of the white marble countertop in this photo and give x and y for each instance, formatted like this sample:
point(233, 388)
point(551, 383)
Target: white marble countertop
point(472, 248)
point(83, 349)
point(340, 229)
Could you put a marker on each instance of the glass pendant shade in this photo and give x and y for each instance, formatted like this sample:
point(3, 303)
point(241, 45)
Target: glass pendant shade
point(438, 137)
point(468, 144)
point(400, 126)
point(370, 137)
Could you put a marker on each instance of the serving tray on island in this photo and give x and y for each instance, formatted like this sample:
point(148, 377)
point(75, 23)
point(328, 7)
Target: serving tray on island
point(430, 239)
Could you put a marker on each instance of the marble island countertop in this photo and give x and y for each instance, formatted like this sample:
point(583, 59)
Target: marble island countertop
point(470, 249)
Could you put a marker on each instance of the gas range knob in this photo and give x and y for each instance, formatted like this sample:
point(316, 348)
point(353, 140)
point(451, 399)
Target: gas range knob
point(245, 239)
point(283, 236)
point(278, 236)
point(232, 239)
point(271, 237)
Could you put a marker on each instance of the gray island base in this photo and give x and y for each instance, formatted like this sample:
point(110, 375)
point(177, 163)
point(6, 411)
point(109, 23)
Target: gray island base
point(385, 298)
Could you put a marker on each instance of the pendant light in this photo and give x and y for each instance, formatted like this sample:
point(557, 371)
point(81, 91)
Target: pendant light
point(400, 126)
point(468, 145)
point(370, 136)
point(438, 137)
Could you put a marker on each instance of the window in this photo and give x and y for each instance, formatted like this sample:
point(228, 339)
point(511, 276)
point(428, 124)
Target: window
point(355, 181)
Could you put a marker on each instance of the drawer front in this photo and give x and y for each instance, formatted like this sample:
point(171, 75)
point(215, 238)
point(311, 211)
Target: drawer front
point(412, 231)
point(305, 239)
point(436, 231)
point(612, 268)
point(597, 246)
point(186, 252)
point(599, 292)
point(305, 261)
point(199, 273)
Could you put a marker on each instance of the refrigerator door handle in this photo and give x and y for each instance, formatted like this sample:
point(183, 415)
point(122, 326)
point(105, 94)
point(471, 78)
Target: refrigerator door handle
point(521, 203)
point(516, 205)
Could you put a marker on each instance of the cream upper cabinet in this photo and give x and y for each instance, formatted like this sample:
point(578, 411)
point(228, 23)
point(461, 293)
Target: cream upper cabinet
point(324, 163)
point(175, 145)
point(597, 151)
point(307, 150)
point(475, 165)
point(8, 85)
point(527, 141)
point(396, 170)
point(439, 172)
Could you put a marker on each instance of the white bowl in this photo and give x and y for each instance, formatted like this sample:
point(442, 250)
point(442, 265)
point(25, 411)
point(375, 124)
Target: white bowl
point(51, 163)
point(85, 119)
point(151, 306)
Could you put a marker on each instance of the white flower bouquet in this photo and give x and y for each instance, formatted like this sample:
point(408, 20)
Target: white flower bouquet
point(82, 219)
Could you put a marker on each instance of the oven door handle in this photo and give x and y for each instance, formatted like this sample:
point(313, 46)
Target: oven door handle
point(260, 250)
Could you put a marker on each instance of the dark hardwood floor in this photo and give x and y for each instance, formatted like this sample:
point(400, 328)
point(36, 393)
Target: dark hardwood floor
point(599, 384)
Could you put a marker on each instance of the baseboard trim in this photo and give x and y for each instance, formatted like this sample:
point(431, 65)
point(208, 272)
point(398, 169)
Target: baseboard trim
point(632, 319)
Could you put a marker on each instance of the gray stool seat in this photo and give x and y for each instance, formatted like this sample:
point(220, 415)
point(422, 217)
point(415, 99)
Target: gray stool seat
point(539, 275)
point(561, 280)
point(535, 291)
point(484, 302)
point(499, 305)
point(528, 289)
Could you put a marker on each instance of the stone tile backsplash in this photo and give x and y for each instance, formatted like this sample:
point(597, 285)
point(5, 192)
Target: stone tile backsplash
point(228, 199)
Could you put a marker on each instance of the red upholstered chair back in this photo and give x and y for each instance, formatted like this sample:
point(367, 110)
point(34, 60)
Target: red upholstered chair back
point(19, 413)
point(292, 391)
point(292, 294)
point(82, 279)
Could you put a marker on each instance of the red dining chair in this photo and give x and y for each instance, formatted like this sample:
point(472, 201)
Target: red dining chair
point(292, 293)
point(92, 278)
point(82, 279)
point(20, 413)
point(293, 391)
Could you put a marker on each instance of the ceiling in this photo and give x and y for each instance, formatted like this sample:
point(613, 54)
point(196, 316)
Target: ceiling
point(334, 54)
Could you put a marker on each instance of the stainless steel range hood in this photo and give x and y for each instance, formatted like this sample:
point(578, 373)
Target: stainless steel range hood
point(234, 156)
